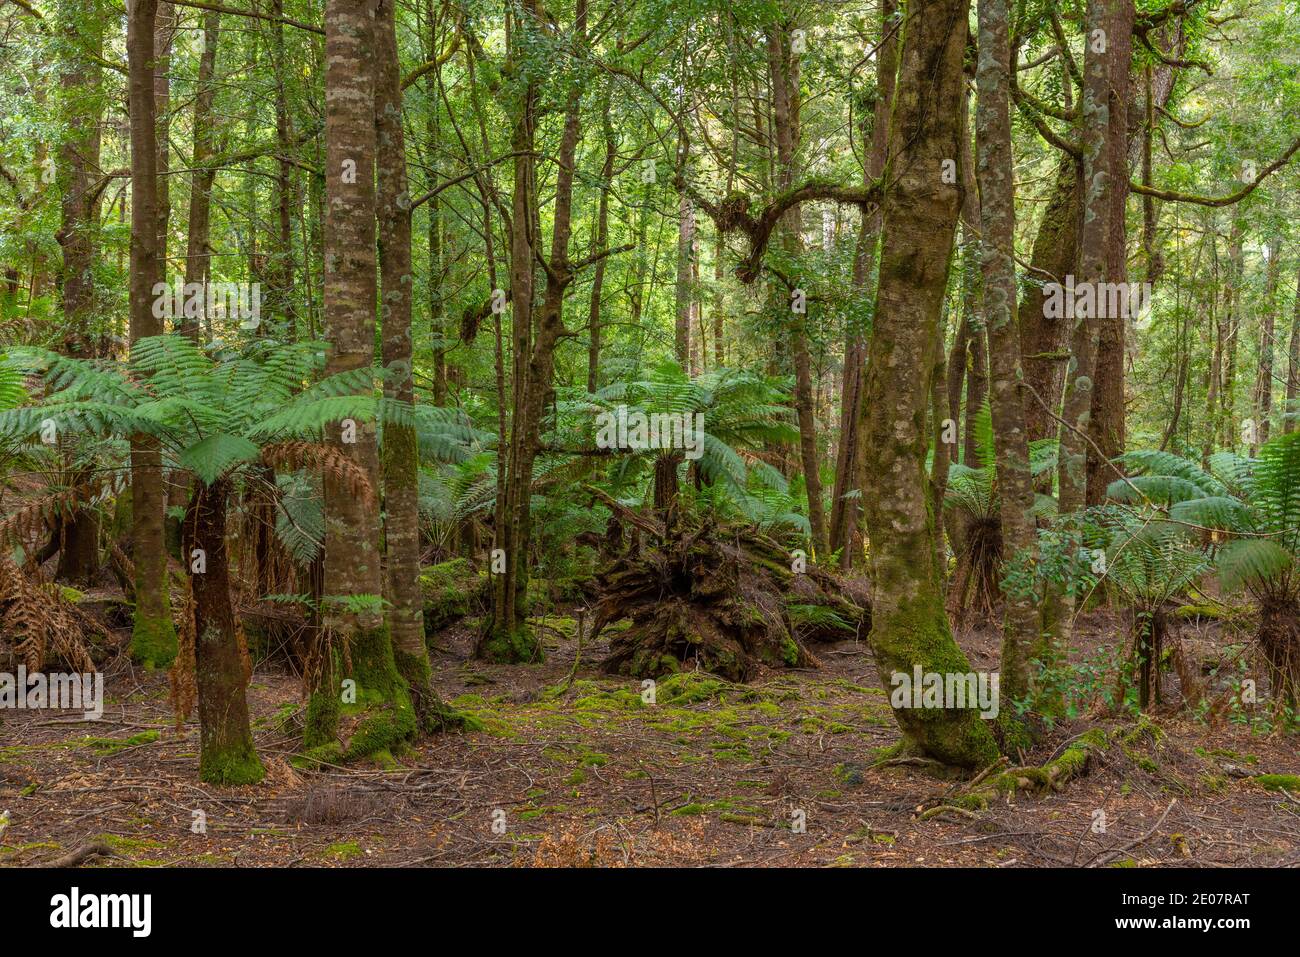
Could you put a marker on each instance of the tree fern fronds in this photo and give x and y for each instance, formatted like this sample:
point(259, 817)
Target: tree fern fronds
point(293, 456)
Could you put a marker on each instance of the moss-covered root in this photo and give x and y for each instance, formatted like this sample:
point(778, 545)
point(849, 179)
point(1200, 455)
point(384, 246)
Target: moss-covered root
point(1071, 763)
point(373, 704)
point(432, 714)
point(236, 763)
point(1289, 783)
point(916, 632)
point(153, 641)
point(510, 647)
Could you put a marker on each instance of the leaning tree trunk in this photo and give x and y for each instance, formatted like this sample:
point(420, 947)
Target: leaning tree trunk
point(909, 623)
point(226, 752)
point(153, 636)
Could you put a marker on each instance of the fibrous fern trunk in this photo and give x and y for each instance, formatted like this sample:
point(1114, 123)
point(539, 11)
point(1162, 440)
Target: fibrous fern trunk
point(226, 752)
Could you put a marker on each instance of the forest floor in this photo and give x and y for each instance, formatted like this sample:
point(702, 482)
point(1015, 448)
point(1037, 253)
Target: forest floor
point(711, 774)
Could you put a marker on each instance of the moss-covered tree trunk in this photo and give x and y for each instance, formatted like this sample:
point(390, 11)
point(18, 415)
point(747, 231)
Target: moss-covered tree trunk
point(378, 701)
point(226, 752)
point(909, 624)
point(1007, 399)
point(153, 635)
point(401, 451)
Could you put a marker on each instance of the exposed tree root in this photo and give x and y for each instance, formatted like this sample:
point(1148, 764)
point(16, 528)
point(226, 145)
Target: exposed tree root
point(999, 781)
point(722, 598)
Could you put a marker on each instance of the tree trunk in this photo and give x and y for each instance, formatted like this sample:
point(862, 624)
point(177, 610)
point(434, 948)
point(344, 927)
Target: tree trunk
point(507, 637)
point(400, 449)
point(598, 244)
point(1291, 413)
point(226, 752)
point(352, 560)
point(78, 156)
point(1106, 423)
point(1268, 325)
point(153, 636)
point(848, 465)
point(783, 70)
point(909, 624)
point(997, 210)
point(197, 251)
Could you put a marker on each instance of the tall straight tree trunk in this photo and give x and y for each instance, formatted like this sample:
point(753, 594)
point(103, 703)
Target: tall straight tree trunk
point(282, 256)
point(401, 454)
point(164, 34)
point(507, 636)
point(602, 238)
point(1291, 412)
point(352, 560)
point(1106, 423)
point(226, 752)
point(909, 625)
point(848, 464)
point(1228, 432)
point(82, 109)
point(1072, 471)
point(684, 293)
point(197, 250)
point(783, 70)
point(1268, 326)
point(153, 635)
point(997, 211)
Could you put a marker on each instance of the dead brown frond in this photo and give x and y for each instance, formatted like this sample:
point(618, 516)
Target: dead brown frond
point(35, 514)
point(42, 623)
point(292, 456)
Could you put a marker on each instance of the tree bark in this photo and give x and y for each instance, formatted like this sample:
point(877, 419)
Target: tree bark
point(153, 635)
point(1106, 423)
point(1291, 413)
point(997, 209)
point(352, 559)
point(79, 209)
point(401, 465)
point(848, 465)
point(909, 624)
point(226, 752)
point(197, 250)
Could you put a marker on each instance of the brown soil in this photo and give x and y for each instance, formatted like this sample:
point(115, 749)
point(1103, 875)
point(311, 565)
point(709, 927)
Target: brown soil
point(591, 775)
